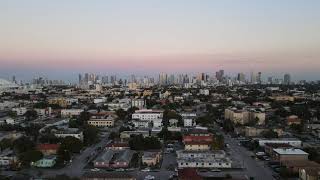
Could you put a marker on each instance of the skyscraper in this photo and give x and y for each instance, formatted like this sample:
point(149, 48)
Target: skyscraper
point(80, 79)
point(287, 79)
point(220, 74)
point(163, 79)
point(253, 77)
point(241, 77)
point(259, 80)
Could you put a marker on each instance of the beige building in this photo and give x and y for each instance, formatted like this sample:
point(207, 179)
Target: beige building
point(245, 116)
point(151, 158)
point(291, 154)
point(197, 146)
point(107, 121)
point(253, 131)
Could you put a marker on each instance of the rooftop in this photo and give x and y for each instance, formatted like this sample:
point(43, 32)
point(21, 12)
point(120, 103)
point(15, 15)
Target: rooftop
point(290, 151)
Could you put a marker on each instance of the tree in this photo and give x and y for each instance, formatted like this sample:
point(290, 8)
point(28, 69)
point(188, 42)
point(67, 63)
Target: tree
point(31, 115)
point(23, 144)
point(6, 143)
point(71, 144)
point(49, 138)
point(30, 156)
point(138, 142)
point(113, 135)
point(298, 128)
point(204, 120)
point(218, 142)
point(168, 135)
point(63, 177)
point(269, 134)
point(41, 105)
point(314, 154)
point(91, 134)
point(121, 114)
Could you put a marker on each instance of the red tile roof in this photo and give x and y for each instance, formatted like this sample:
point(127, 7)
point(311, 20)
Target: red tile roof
point(188, 174)
point(48, 146)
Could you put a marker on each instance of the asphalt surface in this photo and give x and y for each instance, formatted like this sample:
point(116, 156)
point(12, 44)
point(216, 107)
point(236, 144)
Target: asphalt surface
point(252, 167)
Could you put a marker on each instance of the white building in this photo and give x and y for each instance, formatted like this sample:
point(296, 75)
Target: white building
point(291, 141)
point(205, 92)
point(10, 121)
point(205, 159)
point(107, 121)
point(189, 119)
point(20, 111)
point(7, 157)
point(147, 114)
point(71, 112)
point(46, 112)
point(73, 132)
point(139, 103)
point(141, 123)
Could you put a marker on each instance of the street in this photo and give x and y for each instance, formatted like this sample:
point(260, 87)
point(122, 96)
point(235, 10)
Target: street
point(251, 167)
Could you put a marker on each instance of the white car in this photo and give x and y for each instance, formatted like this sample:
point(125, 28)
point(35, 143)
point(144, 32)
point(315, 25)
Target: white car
point(145, 170)
point(95, 169)
point(149, 177)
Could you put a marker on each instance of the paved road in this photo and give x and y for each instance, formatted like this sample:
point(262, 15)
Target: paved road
point(253, 168)
point(74, 169)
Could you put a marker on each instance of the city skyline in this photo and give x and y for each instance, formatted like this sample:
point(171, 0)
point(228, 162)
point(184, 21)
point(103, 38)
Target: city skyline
point(145, 37)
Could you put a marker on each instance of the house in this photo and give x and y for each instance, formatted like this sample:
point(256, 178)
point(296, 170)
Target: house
point(311, 173)
point(7, 157)
point(48, 149)
point(293, 120)
point(289, 155)
point(45, 162)
point(106, 176)
point(151, 158)
point(104, 121)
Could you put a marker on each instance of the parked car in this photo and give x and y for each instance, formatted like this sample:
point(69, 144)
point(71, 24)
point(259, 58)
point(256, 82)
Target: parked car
point(95, 169)
point(215, 170)
point(149, 177)
point(145, 170)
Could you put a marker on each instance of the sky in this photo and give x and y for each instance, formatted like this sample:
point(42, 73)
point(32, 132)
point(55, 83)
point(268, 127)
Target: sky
point(63, 38)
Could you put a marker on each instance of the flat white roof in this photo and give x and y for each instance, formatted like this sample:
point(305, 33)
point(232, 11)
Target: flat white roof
point(290, 151)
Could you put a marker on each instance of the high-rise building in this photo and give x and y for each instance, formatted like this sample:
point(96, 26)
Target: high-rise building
point(86, 78)
point(259, 80)
point(14, 79)
point(163, 79)
point(219, 75)
point(241, 77)
point(80, 79)
point(287, 79)
point(253, 78)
